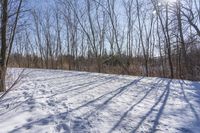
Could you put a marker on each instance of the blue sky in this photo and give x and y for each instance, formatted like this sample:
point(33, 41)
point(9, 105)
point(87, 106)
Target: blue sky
point(41, 4)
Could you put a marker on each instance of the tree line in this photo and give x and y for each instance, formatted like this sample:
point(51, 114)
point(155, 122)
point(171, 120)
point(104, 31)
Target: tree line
point(136, 37)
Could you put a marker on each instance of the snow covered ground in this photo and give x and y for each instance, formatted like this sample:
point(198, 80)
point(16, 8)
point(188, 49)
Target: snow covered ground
point(78, 102)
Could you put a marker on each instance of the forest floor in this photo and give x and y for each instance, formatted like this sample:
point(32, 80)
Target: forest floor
point(79, 102)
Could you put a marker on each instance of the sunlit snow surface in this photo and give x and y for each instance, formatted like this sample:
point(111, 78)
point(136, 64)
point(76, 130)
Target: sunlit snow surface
point(80, 102)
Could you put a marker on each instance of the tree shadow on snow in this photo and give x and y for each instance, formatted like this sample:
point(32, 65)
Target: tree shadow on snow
point(153, 87)
point(162, 98)
point(109, 96)
point(63, 119)
point(79, 123)
point(186, 99)
point(80, 86)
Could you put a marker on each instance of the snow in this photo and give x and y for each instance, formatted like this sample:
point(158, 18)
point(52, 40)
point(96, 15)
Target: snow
point(78, 102)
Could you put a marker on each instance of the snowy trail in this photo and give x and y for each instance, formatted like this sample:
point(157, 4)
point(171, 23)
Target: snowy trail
point(69, 101)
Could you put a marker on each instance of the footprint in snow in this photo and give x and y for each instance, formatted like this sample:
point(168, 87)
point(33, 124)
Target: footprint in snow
point(51, 102)
point(26, 94)
point(64, 105)
point(80, 124)
point(63, 128)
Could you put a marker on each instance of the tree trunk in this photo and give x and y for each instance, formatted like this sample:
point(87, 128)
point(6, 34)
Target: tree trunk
point(183, 49)
point(3, 45)
point(2, 79)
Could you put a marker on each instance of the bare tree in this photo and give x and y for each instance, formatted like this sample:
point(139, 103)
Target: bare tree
point(7, 40)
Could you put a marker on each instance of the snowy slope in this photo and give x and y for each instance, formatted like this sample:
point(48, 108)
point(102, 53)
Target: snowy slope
point(68, 101)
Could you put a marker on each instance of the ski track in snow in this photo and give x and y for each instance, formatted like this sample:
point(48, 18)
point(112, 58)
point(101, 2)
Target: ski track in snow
point(81, 102)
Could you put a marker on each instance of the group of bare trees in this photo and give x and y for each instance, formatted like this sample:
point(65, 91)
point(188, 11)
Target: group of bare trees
point(138, 37)
point(152, 38)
